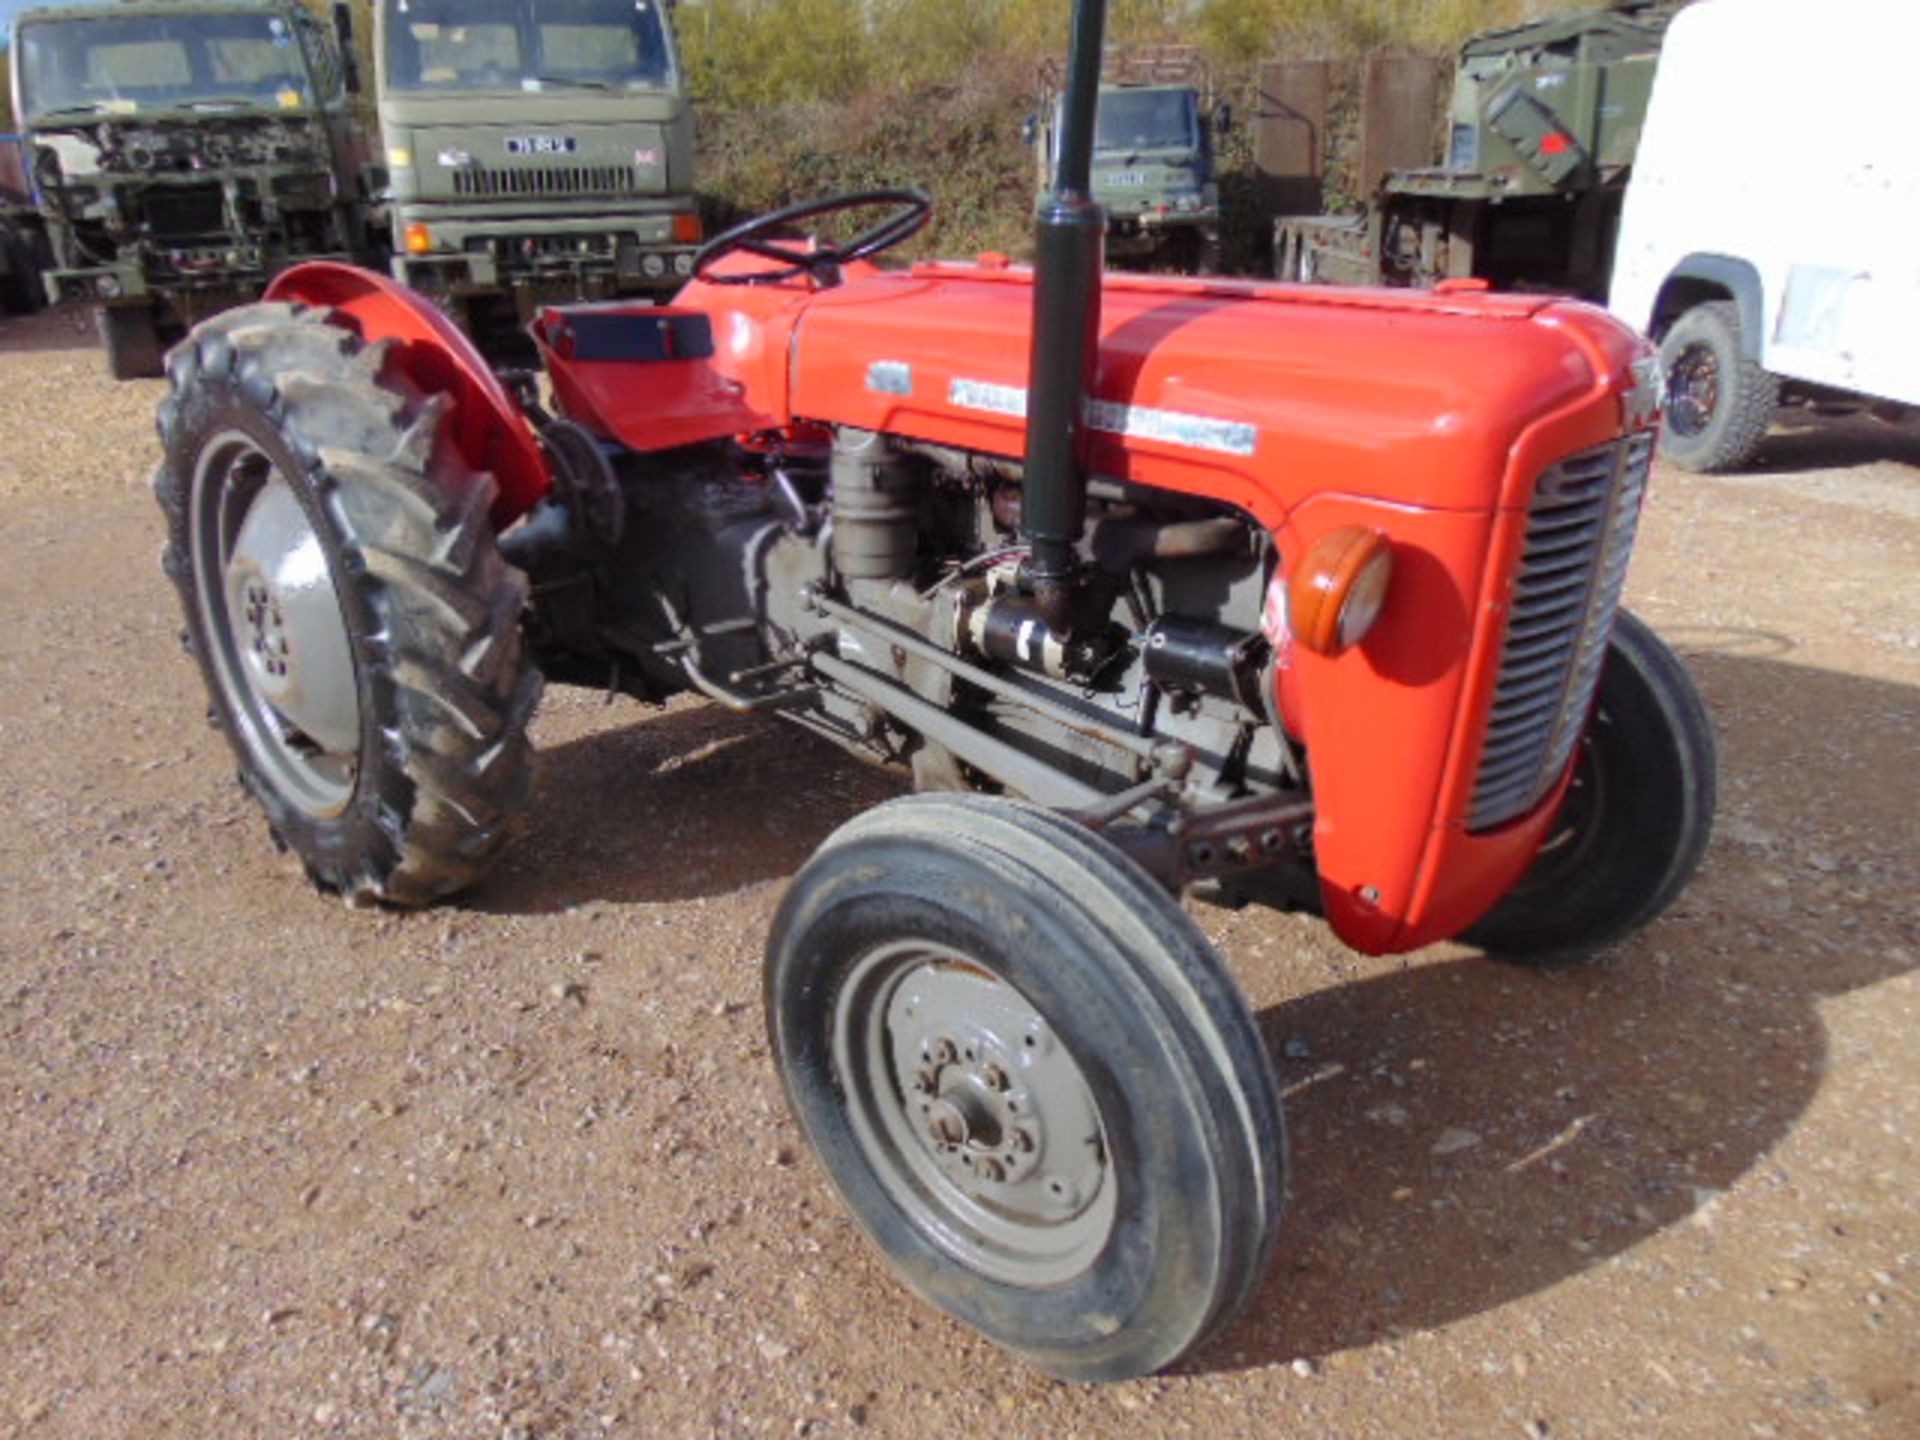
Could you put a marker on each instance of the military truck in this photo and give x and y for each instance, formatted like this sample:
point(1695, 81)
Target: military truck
point(185, 152)
point(1153, 145)
point(535, 150)
point(1541, 133)
point(23, 238)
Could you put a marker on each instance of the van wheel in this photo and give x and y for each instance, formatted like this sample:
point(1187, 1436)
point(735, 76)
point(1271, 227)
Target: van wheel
point(1718, 404)
point(1030, 1078)
point(1634, 822)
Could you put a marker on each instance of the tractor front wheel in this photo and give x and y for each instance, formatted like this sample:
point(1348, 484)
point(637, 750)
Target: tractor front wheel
point(1031, 1080)
point(1635, 820)
point(355, 623)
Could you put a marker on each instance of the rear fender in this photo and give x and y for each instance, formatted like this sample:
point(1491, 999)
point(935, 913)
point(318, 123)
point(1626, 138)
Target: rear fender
point(484, 424)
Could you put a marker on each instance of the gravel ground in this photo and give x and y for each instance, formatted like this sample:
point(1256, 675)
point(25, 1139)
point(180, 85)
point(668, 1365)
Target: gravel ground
point(520, 1167)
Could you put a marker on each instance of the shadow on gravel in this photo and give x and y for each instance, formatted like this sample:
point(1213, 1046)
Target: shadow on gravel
point(1465, 1133)
point(48, 331)
point(1803, 440)
point(686, 803)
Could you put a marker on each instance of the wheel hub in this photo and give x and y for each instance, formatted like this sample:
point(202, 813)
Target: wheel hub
point(1003, 1111)
point(287, 623)
point(979, 1122)
point(1693, 390)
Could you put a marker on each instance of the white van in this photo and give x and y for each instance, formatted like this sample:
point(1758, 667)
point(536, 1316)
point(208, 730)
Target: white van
point(1769, 228)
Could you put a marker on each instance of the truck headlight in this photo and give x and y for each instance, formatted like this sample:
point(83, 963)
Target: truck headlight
point(1338, 589)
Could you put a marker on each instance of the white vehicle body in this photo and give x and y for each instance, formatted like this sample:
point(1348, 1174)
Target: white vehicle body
point(1777, 174)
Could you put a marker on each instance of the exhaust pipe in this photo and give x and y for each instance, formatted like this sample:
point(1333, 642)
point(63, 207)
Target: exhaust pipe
point(1069, 242)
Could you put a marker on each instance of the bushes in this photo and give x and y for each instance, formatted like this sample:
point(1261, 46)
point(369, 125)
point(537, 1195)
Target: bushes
point(803, 98)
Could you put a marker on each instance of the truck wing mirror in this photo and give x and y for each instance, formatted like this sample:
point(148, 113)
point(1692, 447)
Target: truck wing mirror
point(1029, 130)
point(1222, 118)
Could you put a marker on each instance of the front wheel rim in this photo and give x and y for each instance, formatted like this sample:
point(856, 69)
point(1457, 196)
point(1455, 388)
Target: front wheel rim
point(1693, 390)
point(276, 630)
point(972, 1115)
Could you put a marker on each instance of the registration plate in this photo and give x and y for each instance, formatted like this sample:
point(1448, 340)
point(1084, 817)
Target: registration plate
point(541, 145)
point(1127, 177)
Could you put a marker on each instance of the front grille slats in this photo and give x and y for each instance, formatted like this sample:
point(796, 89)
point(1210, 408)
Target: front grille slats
point(486, 182)
point(1573, 564)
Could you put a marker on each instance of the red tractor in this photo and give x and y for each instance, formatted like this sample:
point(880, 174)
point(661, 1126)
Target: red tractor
point(1298, 596)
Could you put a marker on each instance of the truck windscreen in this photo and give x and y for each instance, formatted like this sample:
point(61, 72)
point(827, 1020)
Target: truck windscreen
point(467, 45)
point(125, 64)
point(1144, 120)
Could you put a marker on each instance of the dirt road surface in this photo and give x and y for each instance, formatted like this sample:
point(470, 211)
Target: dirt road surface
point(520, 1167)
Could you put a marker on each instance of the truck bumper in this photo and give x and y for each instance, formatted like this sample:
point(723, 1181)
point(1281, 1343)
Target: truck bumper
point(600, 252)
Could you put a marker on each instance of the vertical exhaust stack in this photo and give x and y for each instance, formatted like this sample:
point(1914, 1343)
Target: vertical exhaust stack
point(1069, 239)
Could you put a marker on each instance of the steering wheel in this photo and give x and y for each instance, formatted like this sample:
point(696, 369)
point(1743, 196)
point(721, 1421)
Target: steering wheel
point(912, 210)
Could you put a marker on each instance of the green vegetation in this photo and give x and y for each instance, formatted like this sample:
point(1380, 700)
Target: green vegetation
point(801, 98)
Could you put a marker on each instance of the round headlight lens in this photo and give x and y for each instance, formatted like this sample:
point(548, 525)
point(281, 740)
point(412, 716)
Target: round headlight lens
point(1339, 588)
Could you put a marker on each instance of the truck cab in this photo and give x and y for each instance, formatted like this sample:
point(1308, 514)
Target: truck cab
point(184, 152)
point(1153, 164)
point(535, 149)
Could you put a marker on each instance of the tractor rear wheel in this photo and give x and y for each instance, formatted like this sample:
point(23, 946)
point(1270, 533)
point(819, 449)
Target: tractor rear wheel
point(356, 625)
point(1635, 821)
point(1030, 1078)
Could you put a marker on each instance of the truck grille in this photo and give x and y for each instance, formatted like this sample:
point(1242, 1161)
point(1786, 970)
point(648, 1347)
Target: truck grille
point(1579, 536)
point(183, 212)
point(546, 180)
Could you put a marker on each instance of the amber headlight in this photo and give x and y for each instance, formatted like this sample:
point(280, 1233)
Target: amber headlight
point(1337, 590)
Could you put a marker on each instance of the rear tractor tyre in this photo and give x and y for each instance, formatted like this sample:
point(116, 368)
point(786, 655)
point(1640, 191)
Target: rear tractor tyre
point(1636, 818)
point(354, 621)
point(1031, 1080)
point(130, 336)
point(1718, 404)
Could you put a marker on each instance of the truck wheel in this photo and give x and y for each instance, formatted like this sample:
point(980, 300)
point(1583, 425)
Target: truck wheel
point(355, 623)
point(1635, 821)
point(1718, 405)
point(20, 292)
point(130, 334)
point(1030, 1078)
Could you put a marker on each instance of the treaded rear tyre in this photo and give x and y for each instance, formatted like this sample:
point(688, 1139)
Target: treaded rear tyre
point(1718, 405)
point(1635, 824)
point(983, 964)
point(417, 671)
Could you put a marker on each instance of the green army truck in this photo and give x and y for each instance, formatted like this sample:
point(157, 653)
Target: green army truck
point(184, 152)
point(1153, 169)
point(1541, 133)
point(535, 150)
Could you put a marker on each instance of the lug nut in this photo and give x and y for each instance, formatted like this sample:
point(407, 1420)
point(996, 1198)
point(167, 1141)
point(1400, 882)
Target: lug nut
point(995, 1077)
point(990, 1169)
point(1023, 1141)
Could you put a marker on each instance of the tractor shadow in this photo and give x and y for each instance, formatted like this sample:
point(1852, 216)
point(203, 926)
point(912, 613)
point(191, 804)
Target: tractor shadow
point(1465, 1133)
point(48, 331)
point(692, 801)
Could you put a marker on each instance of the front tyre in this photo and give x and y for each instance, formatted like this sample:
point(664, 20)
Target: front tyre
point(1031, 1080)
point(1718, 404)
point(355, 623)
point(1635, 820)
